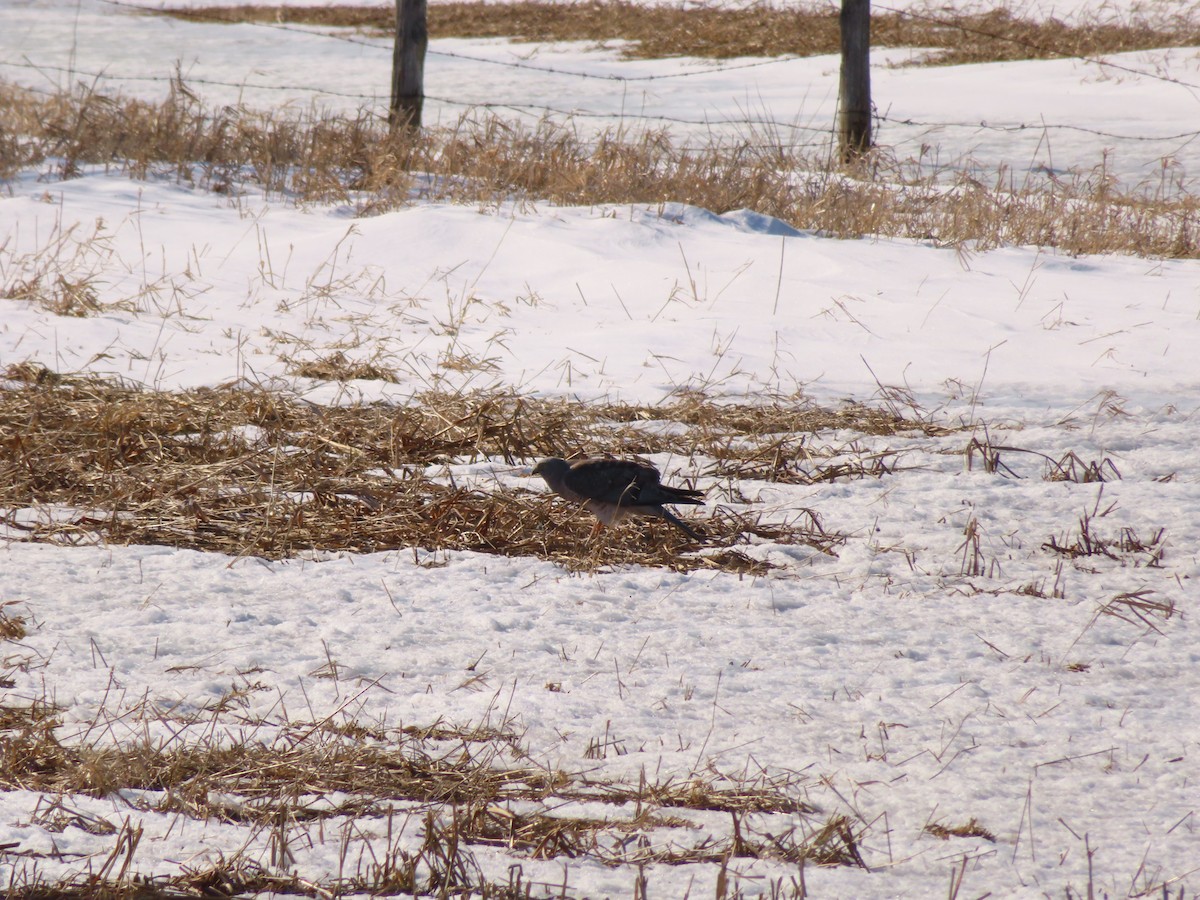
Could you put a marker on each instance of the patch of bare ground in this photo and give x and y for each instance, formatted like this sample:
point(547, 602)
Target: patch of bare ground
point(354, 160)
point(252, 472)
point(658, 31)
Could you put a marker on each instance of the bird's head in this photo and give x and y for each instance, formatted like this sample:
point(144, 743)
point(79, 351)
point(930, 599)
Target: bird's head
point(551, 468)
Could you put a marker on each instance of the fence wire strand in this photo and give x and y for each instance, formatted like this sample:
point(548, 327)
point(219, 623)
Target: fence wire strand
point(541, 109)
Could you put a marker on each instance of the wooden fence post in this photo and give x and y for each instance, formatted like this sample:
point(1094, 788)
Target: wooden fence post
point(854, 90)
point(408, 65)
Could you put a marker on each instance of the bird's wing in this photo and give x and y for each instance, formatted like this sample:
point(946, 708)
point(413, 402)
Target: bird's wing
point(613, 481)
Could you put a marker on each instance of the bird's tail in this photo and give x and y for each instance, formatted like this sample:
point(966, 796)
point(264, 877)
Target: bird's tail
point(682, 495)
point(680, 524)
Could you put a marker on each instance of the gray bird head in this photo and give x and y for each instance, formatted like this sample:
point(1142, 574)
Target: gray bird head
point(554, 470)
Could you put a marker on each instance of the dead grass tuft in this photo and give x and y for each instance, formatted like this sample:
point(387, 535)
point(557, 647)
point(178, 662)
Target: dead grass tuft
point(1138, 607)
point(1070, 467)
point(29, 744)
point(836, 844)
point(197, 780)
point(971, 828)
point(12, 627)
point(1128, 545)
point(61, 277)
point(31, 373)
point(704, 795)
point(336, 367)
point(59, 296)
point(1074, 468)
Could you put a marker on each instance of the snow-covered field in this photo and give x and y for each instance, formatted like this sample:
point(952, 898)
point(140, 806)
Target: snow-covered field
point(948, 664)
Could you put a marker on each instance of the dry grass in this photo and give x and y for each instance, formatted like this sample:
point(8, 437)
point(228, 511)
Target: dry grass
point(250, 472)
point(969, 829)
point(354, 160)
point(297, 765)
point(1070, 467)
point(197, 779)
point(1139, 608)
point(461, 788)
point(62, 277)
point(12, 626)
point(660, 31)
point(337, 367)
point(1127, 547)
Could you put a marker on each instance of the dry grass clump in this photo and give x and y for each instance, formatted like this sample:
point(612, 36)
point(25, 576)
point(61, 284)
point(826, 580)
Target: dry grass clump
point(12, 627)
point(198, 779)
point(219, 148)
point(1127, 546)
point(248, 472)
point(697, 794)
point(337, 367)
point(59, 296)
point(834, 843)
point(1069, 467)
point(1139, 608)
point(971, 828)
point(770, 417)
point(62, 276)
point(659, 31)
point(325, 158)
point(1000, 35)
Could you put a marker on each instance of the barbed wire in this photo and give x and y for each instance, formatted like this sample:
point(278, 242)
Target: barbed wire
point(1039, 126)
point(543, 109)
point(825, 133)
point(713, 70)
point(908, 13)
point(212, 82)
point(537, 109)
point(451, 54)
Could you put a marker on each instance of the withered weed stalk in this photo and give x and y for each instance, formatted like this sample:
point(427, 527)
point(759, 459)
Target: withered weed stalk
point(1126, 547)
point(1070, 467)
point(971, 828)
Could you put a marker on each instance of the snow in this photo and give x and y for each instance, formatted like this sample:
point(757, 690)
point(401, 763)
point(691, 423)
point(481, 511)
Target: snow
point(698, 299)
point(888, 682)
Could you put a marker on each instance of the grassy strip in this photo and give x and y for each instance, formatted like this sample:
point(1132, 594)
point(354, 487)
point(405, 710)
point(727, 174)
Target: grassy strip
point(249, 472)
point(458, 784)
point(657, 31)
point(354, 160)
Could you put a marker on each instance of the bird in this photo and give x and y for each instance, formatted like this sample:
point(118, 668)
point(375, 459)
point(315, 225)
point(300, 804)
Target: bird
point(612, 489)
